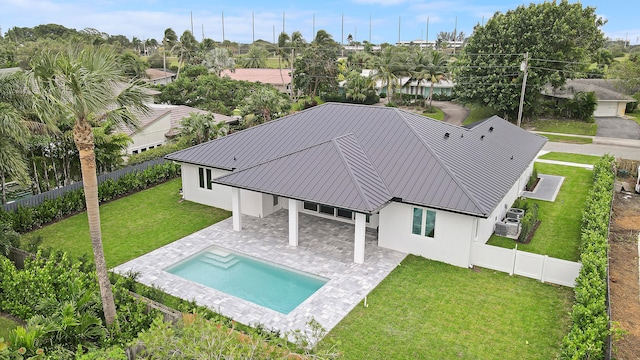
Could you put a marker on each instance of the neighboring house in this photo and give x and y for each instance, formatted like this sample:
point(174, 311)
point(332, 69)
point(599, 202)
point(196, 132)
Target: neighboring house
point(279, 78)
point(159, 124)
point(444, 87)
point(611, 102)
point(428, 187)
point(160, 76)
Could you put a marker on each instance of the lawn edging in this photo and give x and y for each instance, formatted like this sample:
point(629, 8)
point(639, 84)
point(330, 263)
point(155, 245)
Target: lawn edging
point(587, 337)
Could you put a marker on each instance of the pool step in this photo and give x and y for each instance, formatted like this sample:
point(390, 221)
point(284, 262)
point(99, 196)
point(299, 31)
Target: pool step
point(220, 259)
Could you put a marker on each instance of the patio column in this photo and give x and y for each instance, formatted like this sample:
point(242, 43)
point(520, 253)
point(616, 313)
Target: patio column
point(293, 222)
point(235, 209)
point(358, 243)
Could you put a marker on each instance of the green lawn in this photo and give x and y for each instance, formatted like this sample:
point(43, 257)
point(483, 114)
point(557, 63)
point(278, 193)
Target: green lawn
point(559, 232)
point(6, 325)
point(635, 116)
point(429, 310)
point(568, 139)
point(438, 114)
point(574, 158)
point(134, 225)
point(477, 113)
point(563, 127)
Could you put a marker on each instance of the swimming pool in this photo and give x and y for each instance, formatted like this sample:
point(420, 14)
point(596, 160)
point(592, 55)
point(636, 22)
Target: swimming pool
point(275, 287)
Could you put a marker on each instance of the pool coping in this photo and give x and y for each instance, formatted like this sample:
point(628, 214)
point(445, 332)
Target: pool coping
point(320, 252)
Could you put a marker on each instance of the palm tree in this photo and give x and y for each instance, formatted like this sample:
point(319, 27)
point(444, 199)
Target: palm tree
point(256, 58)
point(87, 84)
point(199, 128)
point(435, 70)
point(386, 68)
point(13, 134)
point(219, 59)
point(185, 46)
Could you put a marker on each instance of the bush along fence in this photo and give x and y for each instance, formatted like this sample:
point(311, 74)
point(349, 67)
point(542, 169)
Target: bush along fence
point(26, 217)
point(587, 337)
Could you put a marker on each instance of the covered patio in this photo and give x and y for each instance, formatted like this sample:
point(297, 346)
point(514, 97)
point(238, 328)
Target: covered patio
point(325, 248)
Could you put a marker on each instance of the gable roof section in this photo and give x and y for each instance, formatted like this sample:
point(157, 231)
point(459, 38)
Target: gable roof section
point(266, 76)
point(407, 152)
point(335, 172)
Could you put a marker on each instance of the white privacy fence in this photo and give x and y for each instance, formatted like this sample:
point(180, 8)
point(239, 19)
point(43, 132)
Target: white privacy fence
point(513, 261)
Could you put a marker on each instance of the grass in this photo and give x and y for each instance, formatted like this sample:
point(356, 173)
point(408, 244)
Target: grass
point(574, 158)
point(6, 325)
point(568, 139)
point(635, 116)
point(575, 127)
point(559, 232)
point(477, 113)
point(430, 310)
point(438, 114)
point(133, 225)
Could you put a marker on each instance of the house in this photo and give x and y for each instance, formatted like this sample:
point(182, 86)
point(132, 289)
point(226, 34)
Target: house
point(160, 76)
point(428, 187)
point(611, 102)
point(160, 123)
point(279, 78)
point(444, 87)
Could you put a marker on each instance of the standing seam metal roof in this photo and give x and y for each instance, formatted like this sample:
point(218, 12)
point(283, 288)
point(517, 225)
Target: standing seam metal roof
point(360, 151)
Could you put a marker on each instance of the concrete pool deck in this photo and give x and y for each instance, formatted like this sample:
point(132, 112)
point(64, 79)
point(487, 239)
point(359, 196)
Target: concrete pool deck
point(325, 249)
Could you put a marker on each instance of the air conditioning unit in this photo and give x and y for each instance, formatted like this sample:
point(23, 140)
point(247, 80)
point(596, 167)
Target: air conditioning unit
point(515, 213)
point(501, 228)
point(513, 226)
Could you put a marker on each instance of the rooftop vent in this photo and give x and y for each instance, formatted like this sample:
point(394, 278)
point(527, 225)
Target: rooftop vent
point(446, 135)
point(482, 137)
point(491, 129)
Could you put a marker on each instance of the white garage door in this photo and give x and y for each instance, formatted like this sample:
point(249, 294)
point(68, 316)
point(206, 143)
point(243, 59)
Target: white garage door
point(606, 108)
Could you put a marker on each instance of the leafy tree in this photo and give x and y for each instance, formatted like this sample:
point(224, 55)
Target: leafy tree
point(429, 65)
point(265, 104)
point(133, 66)
point(627, 72)
point(559, 37)
point(358, 88)
point(199, 128)
point(87, 84)
point(316, 70)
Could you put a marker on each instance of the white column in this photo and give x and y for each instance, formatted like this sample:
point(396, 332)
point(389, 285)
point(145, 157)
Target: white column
point(293, 222)
point(358, 243)
point(235, 209)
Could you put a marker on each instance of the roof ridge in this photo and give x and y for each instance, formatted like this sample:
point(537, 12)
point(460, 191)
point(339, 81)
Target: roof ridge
point(350, 170)
point(444, 166)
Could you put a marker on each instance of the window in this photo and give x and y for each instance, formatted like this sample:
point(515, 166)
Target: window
point(201, 177)
point(327, 210)
point(310, 206)
point(275, 200)
point(134, 152)
point(143, 150)
point(345, 213)
point(151, 147)
point(424, 222)
point(209, 179)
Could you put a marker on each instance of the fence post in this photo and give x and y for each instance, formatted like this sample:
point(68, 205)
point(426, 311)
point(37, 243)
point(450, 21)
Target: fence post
point(543, 277)
point(515, 258)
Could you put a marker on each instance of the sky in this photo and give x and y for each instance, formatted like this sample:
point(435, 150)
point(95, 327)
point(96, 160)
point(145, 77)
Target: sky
point(377, 21)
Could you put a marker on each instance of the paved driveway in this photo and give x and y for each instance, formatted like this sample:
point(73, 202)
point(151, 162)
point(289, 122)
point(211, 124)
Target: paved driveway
point(615, 127)
point(453, 113)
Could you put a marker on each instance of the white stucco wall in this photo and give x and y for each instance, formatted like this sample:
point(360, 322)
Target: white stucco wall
point(152, 135)
point(452, 236)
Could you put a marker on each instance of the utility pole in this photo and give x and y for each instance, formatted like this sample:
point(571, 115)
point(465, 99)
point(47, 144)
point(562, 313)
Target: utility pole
point(283, 21)
point(253, 28)
point(399, 18)
point(427, 34)
point(314, 23)
point(525, 68)
point(370, 28)
point(342, 38)
point(192, 33)
point(291, 75)
point(223, 26)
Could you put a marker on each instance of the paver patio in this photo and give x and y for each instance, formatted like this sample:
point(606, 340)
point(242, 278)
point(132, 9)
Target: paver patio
point(325, 249)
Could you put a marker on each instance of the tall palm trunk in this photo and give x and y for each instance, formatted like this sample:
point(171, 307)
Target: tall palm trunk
point(83, 137)
point(4, 191)
point(431, 95)
point(36, 179)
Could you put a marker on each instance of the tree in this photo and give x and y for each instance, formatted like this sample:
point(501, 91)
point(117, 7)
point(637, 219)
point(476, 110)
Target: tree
point(265, 104)
point(219, 59)
point(429, 65)
point(358, 88)
point(388, 67)
point(316, 70)
point(199, 128)
point(559, 37)
point(256, 58)
point(87, 84)
point(627, 72)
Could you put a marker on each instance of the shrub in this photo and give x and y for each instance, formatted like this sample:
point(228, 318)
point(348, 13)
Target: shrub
point(529, 220)
point(27, 218)
point(588, 334)
point(532, 180)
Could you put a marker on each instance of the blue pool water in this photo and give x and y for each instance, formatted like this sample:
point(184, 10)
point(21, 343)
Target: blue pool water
point(278, 288)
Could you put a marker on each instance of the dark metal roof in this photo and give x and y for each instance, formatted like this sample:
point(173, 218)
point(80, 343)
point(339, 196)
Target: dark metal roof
point(360, 157)
point(344, 178)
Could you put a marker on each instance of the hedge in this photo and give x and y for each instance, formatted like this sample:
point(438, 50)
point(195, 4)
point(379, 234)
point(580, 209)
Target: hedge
point(27, 218)
point(587, 337)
